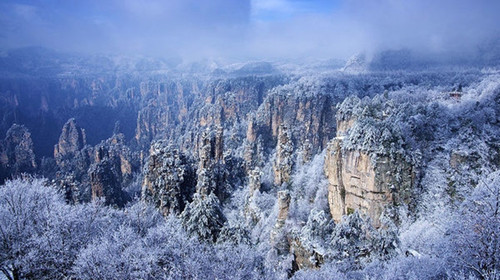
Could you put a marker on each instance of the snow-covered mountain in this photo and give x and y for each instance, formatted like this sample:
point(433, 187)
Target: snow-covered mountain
point(156, 168)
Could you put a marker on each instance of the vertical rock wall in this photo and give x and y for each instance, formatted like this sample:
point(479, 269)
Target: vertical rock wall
point(358, 181)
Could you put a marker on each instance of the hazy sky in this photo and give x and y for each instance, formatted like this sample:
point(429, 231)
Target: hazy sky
point(248, 28)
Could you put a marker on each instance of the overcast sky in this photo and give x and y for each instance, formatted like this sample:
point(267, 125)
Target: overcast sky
point(249, 28)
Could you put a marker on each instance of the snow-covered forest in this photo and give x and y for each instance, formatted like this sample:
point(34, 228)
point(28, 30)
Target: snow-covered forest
point(250, 139)
point(249, 172)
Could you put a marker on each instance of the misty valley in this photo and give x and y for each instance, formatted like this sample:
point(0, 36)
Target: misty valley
point(131, 167)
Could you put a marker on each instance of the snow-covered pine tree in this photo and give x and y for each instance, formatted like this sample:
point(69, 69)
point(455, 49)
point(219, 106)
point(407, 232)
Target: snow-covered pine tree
point(203, 217)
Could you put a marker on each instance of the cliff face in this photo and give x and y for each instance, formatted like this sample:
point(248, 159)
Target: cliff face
point(100, 172)
point(71, 141)
point(112, 170)
point(311, 116)
point(278, 236)
point(125, 160)
point(165, 104)
point(357, 181)
point(169, 179)
point(44, 103)
point(180, 111)
point(16, 152)
point(73, 159)
point(283, 164)
point(212, 172)
point(105, 184)
point(357, 184)
point(295, 117)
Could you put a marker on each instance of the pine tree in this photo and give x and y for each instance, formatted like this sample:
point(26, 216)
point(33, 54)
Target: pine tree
point(203, 217)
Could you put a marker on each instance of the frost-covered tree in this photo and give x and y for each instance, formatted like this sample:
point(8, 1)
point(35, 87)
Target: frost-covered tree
point(114, 256)
point(241, 262)
point(203, 217)
point(474, 235)
point(164, 252)
point(327, 271)
point(355, 243)
point(236, 234)
point(317, 231)
point(40, 234)
point(28, 211)
point(141, 217)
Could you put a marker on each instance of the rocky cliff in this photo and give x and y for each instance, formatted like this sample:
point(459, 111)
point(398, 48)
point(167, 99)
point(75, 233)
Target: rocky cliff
point(71, 141)
point(288, 164)
point(284, 162)
point(105, 184)
point(306, 112)
point(16, 153)
point(366, 181)
point(112, 170)
point(102, 171)
point(278, 238)
point(169, 179)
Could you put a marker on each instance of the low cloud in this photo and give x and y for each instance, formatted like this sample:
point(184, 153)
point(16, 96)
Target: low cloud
point(249, 29)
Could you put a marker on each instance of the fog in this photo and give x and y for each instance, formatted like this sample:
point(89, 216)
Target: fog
point(250, 29)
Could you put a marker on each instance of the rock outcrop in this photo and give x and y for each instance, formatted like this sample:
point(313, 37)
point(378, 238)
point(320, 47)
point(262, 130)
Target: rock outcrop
point(112, 170)
point(105, 184)
point(283, 165)
point(169, 179)
point(125, 161)
point(278, 236)
point(166, 104)
point(361, 181)
point(73, 159)
point(212, 172)
point(305, 109)
point(254, 154)
point(308, 245)
point(254, 185)
point(16, 152)
point(283, 208)
point(254, 181)
point(71, 141)
point(86, 173)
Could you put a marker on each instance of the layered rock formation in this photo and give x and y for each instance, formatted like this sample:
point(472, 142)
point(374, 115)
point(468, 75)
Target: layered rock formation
point(362, 181)
point(203, 216)
point(308, 245)
point(73, 159)
point(166, 103)
point(126, 161)
point(306, 113)
point(310, 114)
point(212, 172)
point(221, 103)
point(254, 185)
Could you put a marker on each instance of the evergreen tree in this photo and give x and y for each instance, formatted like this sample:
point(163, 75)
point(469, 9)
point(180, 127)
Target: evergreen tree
point(203, 217)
